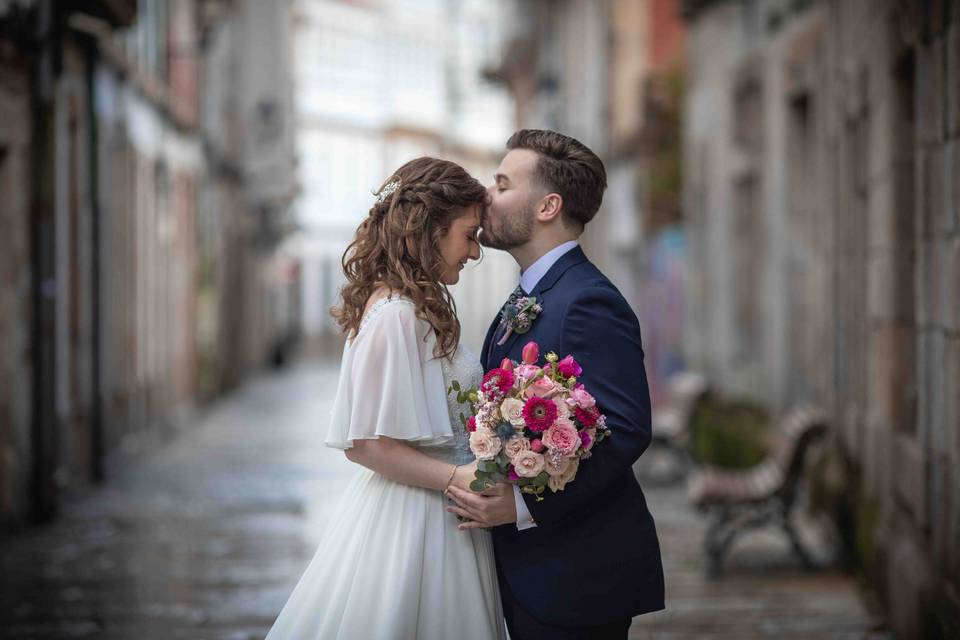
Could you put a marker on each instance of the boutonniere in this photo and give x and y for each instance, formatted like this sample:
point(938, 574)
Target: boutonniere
point(519, 315)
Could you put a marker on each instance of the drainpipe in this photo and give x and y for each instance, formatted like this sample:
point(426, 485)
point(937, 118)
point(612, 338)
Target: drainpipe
point(97, 447)
point(47, 62)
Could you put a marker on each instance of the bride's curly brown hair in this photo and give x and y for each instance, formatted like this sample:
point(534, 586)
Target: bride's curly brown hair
point(397, 246)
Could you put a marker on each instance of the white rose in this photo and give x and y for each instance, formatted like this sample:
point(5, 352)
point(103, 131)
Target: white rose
point(557, 483)
point(556, 470)
point(512, 411)
point(528, 464)
point(515, 446)
point(484, 444)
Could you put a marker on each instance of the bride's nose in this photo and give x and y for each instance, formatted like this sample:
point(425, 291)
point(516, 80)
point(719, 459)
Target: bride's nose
point(474, 253)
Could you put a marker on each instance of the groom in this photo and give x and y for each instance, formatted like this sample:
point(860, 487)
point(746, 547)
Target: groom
point(584, 561)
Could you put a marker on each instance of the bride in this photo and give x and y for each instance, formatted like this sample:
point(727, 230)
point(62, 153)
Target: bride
point(392, 563)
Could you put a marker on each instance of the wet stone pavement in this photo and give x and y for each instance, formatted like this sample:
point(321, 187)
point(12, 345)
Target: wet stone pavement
point(205, 539)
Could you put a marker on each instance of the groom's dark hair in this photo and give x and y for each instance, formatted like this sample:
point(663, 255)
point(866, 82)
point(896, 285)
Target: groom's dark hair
point(566, 167)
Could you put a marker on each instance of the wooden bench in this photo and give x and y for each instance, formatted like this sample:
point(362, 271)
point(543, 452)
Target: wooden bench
point(765, 495)
point(671, 423)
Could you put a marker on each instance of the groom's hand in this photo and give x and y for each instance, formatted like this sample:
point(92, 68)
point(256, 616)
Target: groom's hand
point(493, 507)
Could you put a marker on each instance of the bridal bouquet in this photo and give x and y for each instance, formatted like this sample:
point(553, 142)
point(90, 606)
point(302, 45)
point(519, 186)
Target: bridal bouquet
point(531, 425)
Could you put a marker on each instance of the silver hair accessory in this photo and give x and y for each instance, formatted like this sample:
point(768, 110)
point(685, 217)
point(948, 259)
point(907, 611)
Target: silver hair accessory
point(388, 190)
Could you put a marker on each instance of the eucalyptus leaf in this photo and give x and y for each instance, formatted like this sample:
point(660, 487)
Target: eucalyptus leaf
point(487, 466)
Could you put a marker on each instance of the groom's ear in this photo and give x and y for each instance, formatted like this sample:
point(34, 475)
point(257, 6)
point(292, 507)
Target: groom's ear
point(550, 206)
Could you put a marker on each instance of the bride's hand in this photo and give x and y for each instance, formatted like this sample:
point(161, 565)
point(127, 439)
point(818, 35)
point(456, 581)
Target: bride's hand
point(464, 475)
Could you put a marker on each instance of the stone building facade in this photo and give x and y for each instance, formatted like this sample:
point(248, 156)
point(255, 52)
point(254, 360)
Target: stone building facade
point(604, 72)
point(377, 84)
point(136, 230)
point(15, 278)
point(821, 193)
point(555, 64)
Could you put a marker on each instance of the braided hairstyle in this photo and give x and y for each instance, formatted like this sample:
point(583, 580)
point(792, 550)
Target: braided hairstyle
point(397, 246)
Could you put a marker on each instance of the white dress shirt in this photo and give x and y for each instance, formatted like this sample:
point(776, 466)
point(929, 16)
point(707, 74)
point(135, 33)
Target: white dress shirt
point(528, 281)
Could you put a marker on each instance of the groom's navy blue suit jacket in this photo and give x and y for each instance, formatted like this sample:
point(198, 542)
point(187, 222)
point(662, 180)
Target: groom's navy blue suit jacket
point(593, 557)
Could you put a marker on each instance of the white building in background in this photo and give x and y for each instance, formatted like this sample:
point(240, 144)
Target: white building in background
point(377, 83)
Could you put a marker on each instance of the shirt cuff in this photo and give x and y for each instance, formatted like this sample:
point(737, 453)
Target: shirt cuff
point(524, 519)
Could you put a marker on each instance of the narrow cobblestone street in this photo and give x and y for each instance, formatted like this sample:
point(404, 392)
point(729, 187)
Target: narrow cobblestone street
point(206, 538)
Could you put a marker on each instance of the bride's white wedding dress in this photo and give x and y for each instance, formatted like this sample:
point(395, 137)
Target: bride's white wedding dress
point(392, 563)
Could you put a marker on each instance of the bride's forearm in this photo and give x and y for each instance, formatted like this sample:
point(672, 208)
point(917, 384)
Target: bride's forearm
point(401, 463)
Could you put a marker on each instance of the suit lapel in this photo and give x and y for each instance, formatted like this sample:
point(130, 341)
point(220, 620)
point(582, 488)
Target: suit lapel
point(570, 259)
point(488, 342)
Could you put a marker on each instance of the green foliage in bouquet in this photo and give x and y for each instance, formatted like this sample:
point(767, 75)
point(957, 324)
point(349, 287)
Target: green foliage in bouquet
point(539, 440)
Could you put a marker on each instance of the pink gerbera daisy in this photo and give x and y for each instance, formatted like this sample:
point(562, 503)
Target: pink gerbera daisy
point(539, 414)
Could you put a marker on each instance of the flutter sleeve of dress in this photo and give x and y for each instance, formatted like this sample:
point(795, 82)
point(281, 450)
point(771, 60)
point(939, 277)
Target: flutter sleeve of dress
point(390, 383)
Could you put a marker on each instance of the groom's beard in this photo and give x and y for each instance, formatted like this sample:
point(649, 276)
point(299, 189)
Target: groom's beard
point(513, 232)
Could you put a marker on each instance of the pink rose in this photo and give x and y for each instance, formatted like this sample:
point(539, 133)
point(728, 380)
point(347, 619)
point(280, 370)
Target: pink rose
point(580, 398)
point(484, 444)
point(537, 445)
point(542, 388)
point(515, 446)
point(569, 368)
point(563, 411)
point(531, 353)
point(562, 437)
point(527, 371)
point(529, 464)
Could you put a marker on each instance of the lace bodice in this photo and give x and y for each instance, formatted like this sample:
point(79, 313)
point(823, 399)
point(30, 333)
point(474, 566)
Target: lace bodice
point(464, 367)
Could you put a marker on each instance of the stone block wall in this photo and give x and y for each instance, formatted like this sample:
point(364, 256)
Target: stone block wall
point(859, 277)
